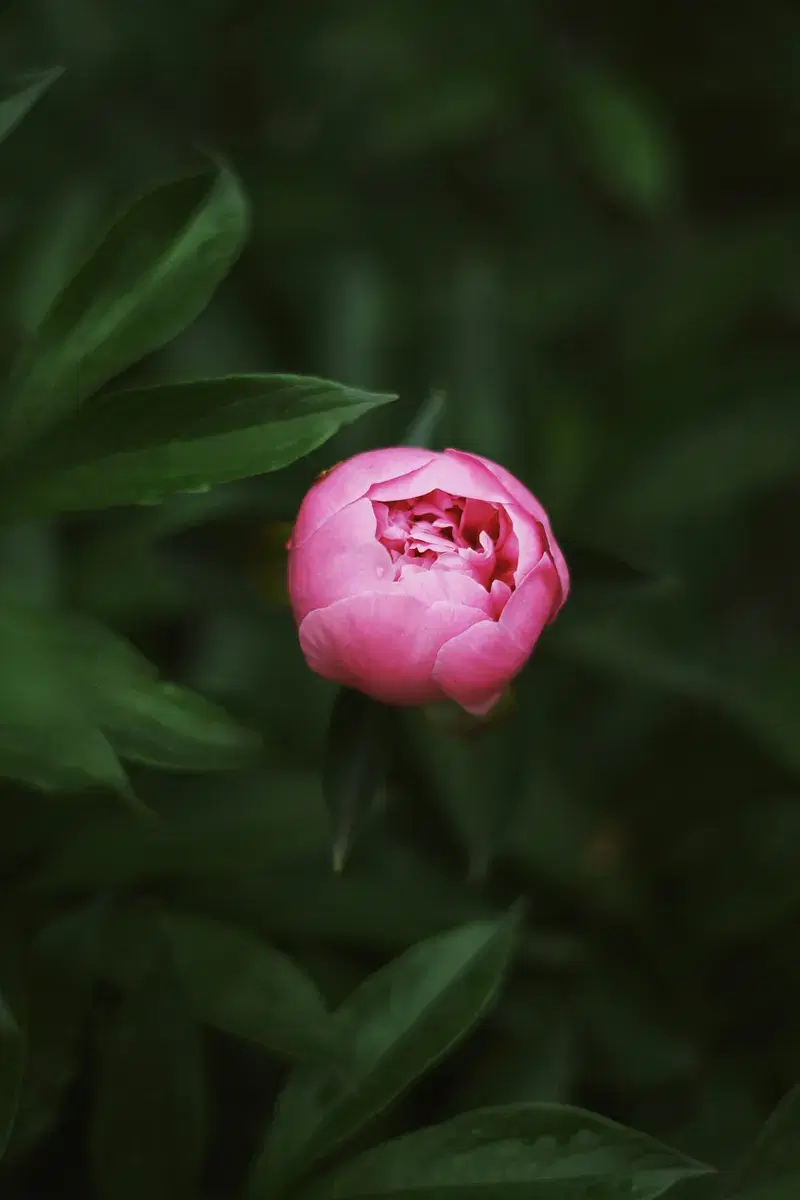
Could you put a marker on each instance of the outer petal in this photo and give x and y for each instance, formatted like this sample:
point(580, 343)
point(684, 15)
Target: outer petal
point(341, 559)
point(530, 605)
point(528, 501)
point(458, 474)
point(449, 587)
point(350, 480)
point(531, 538)
point(384, 645)
point(475, 668)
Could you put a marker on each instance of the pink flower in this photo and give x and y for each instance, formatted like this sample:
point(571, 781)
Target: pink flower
point(418, 577)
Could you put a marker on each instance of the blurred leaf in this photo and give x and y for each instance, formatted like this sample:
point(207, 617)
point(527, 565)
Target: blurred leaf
point(771, 1170)
point(164, 725)
point(152, 274)
point(13, 1033)
point(533, 1150)
point(62, 970)
point(148, 1124)
point(48, 737)
point(265, 820)
point(78, 696)
point(134, 447)
point(623, 141)
point(762, 844)
point(589, 566)
point(390, 897)
point(16, 103)
point(393, 1029)
point(424, 428)
point(243, 986)
point(357, 750)
point(705, 470)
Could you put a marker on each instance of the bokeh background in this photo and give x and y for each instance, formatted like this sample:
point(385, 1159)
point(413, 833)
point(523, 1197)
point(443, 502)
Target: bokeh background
point(583, 222)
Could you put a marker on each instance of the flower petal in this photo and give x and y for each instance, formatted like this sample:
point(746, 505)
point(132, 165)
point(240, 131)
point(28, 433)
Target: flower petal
point(341, 559)
point(531, 604)
point(448, 586)
point(475, 668)
point(350, 481)
point(531, 540)
point(528, 501)
point(384, 645)
point(458, 474)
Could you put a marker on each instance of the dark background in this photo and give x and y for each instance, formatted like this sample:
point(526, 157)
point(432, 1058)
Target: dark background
point(583, 222)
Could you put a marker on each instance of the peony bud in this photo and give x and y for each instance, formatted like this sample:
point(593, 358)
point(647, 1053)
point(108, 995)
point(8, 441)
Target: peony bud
point(417, 577)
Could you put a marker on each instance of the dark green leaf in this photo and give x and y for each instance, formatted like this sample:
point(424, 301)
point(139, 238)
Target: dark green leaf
point(589, 566)
point(529, 1151)
point(13, 1033)
point(150, 276)
point(356, 763)
point(245, 987)
point(266, 820)
point(73, 697)
point(623, 141)
point(62, 969)
point(136, 446)
point(148, 1124)
point(47, 735)
point(392, 1030)
point(19, 100)
point(771, 1170)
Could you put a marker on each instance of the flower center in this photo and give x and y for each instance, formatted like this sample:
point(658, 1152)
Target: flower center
point(453, 533)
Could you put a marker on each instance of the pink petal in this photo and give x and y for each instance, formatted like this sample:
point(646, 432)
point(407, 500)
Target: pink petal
point(531, 605)
point(499, 596)
point(341, 559)
point(384, 645)
point(350, 481)
point(475, 668)
point(528, 501)
point(531, 539)
point(460, 475)
point(448, 586)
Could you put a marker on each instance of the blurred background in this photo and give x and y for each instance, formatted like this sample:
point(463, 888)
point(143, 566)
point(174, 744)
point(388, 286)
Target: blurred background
point(583, 222)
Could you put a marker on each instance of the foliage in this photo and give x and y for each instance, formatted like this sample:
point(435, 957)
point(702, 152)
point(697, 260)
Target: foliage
point(259, 939)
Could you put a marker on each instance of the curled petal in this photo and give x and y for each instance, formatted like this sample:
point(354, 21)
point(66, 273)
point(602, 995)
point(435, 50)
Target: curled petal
point(341, 559)
point(528, 501)
point(450, 587)
point(475, 668)
point(531, 540)
point(530, 605)
point(350, 481)
point(460, 475)
point(384, 645)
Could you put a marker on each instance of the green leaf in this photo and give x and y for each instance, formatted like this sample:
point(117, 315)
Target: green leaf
point(74, 696)
point(17, 103)
point(13, 1034)
point(243, 986)
point(354, 775)
point(136, 446)
point(771, 1170)
point(624, 142)
point(535, 1151)
point(47, 736)
point(392, 1030)
point(267, 820)
point(148, 1124)
point(590, 566)
point(753, 448)
point(61, 970)
point(152, 273)
point(423, 429)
